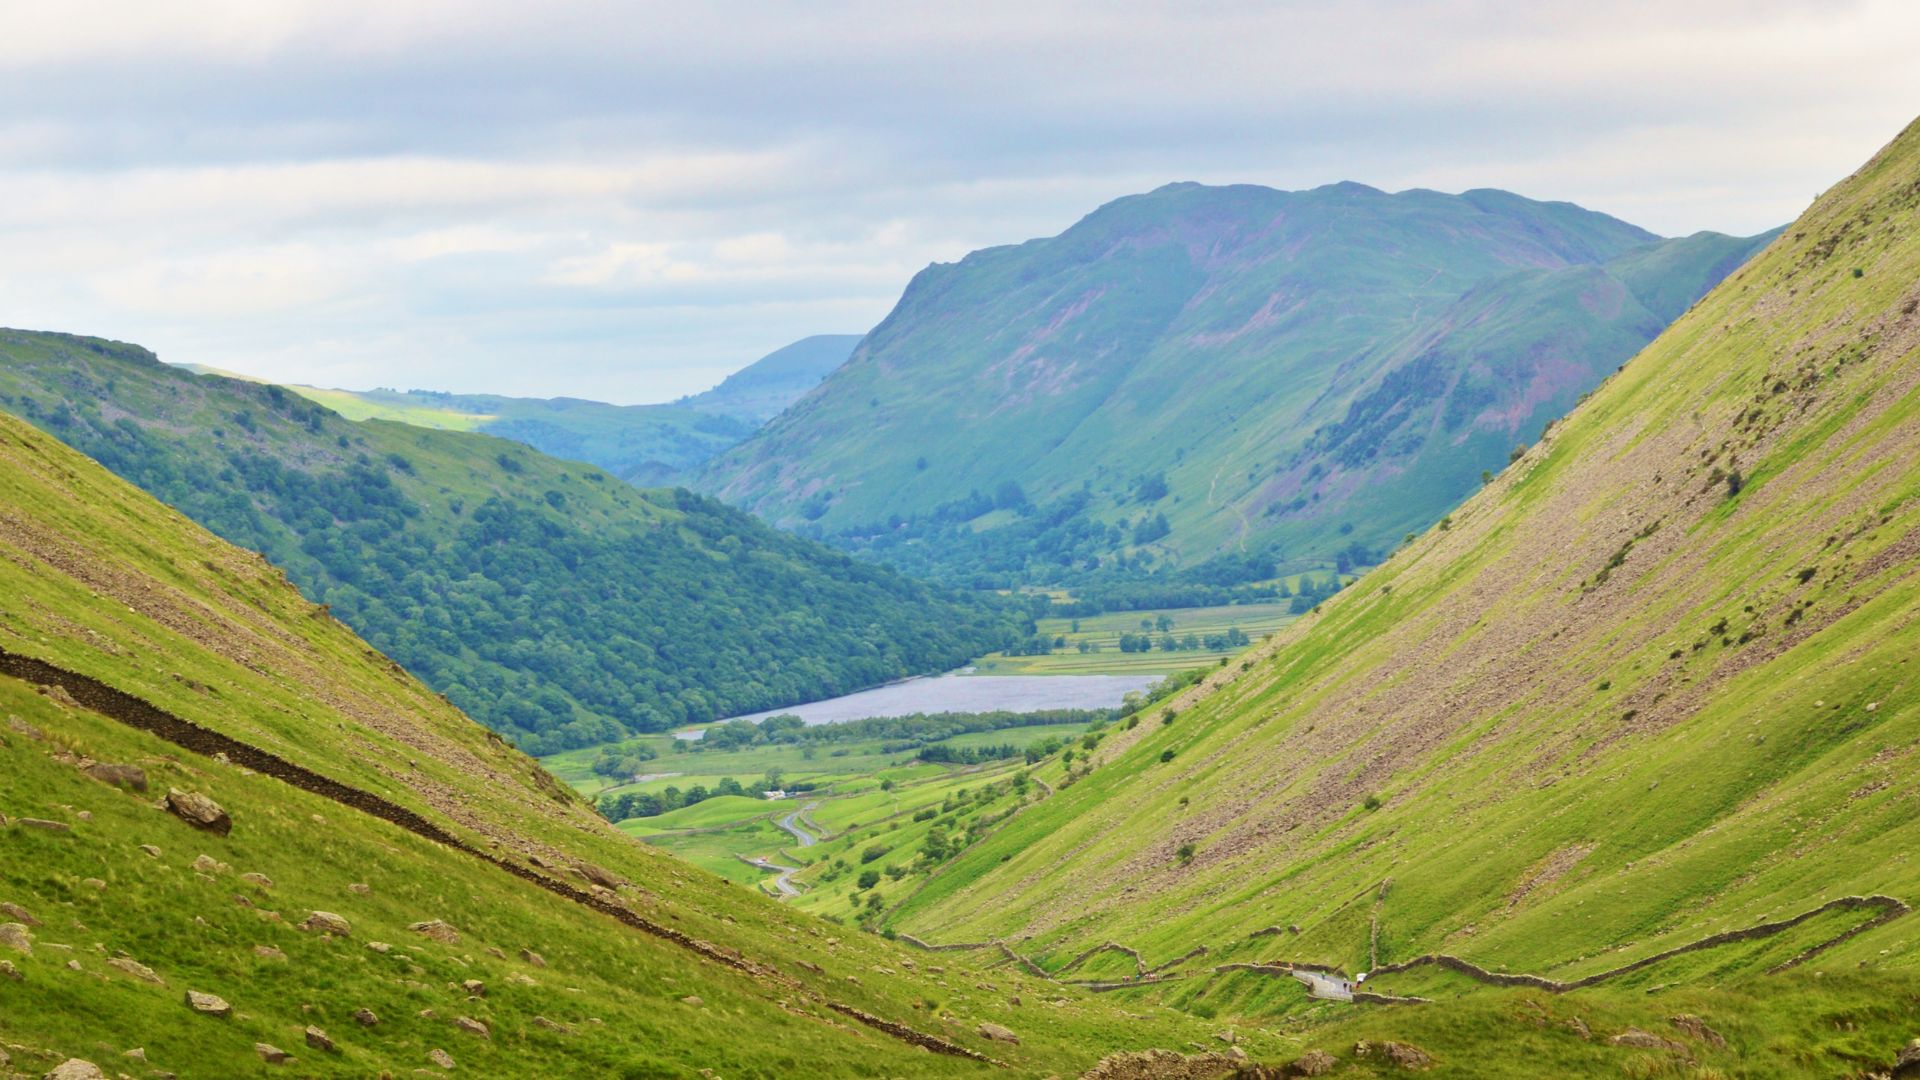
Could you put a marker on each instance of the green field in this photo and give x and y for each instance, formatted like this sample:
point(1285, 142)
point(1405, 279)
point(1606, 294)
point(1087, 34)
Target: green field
point(1103, 631)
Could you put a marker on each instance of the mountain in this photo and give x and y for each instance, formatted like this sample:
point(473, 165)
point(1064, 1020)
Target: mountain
point(382, 886)
point(1642, 713)
point(642, 444)
point(763, 389)
point(1208, 372)
point(548, 600)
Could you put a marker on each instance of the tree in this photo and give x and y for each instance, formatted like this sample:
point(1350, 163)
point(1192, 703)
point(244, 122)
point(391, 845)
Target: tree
point(868, 879)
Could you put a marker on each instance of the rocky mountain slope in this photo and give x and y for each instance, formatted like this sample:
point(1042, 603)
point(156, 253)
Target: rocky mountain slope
point(1200, 371)
point(550, 601)
point(235, 840)
point(1641, 715)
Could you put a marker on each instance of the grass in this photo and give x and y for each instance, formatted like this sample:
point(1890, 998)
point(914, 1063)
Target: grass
point(101, 580)
point(1255, 620)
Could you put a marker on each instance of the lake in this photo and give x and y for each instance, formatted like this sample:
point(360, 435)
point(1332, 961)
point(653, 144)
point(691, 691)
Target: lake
point(966, 693)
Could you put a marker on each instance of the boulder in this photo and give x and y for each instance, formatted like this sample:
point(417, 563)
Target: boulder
point(271, 1054)
point(1312, 1063)
point(359, 889)
point(693, 1000)
point(258, 881)
point(14, 936)
point(207, 864)
point(533, 958)
point(437, 930)
point(552, 1025)
point(152, 852)
point(474, 988)
point(472, 1027)
point(1697, 1028)
point(997, 1033)
point(379, 946)
point(440, 1058)
point(1407, 1056)
point(199, 811)
point(44, 824)
point(1908, 1063)
point(326, 922)
point(268, 952)
point(94, 883)
point(208, 1004)
point(1645, 1040)
point(136, 969)
point(318, 1039)
point(599, 875)
point(7, 970)
point(18, 913)
point(75, 1069)
point(365, 1017)
point(130, 776)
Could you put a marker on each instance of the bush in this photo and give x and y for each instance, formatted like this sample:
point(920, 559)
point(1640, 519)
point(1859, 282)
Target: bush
point(868, 879)
point(872, 853)
point(1186, 852)
point(1166, 756)
point(1372, 802)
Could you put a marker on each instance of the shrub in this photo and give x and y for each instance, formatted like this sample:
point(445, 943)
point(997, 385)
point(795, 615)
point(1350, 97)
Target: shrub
point(872, 853)
point(1166, 755)
point(869, 878)
point(1372, 802)
point(1186, 852)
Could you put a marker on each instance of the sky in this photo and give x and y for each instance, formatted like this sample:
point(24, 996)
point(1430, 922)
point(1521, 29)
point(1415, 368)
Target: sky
point(627, 201)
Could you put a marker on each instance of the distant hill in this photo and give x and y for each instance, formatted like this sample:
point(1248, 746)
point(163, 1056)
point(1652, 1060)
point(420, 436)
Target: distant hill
point(1202, 373)
point(543, 597)
point(642, 444)
point(1642, 715)
point(763, 389)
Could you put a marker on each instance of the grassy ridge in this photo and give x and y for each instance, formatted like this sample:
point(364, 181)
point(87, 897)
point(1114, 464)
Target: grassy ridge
point(1652, 684)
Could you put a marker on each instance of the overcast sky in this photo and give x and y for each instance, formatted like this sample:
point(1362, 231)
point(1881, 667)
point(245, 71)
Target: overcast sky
point(627, 201)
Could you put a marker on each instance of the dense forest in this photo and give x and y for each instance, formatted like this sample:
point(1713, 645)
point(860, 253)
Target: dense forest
point(545, 598)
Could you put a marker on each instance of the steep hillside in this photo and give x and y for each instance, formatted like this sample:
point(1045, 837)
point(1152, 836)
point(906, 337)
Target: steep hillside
point(391, 888)
point(1200, 372)
point(763, 389)
point(550, 601)
point(1653, 685)
point(642, 444)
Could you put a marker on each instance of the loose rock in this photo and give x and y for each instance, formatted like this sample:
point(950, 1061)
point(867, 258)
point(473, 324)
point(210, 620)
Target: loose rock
point(268, 952)
point(7, 970)
point(136, 969)
point(533, 958)
point(131, 776)
point(207, 864)
point(440, 1058)
point(437, 930)
point(359, 889)
point(150, 850)
point(474, 988)
point(1645, 1040)
point(1696, 1027)
point(693, 1000)
point(258, 881)
point(1407, 1056)
point(326, 922)
point(42, 823)
point(472, 1027)
point(18, 913)
point(75, 1069)
point(365, 1017)
point(318, 1039)
point(1907, 1065)
point(552, 1025)
point(1312, 1063)
point(271, 1054)
point(997, 1033)
point(199, 811)
point(208, 1004)
point(15, 936)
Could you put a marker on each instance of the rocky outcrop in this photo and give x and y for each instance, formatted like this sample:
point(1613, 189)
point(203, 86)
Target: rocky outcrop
point(199, 811)
point(437, 930)
point(326, 922)
point(208, 1004)
point(1312, 1063)
point(15, 936)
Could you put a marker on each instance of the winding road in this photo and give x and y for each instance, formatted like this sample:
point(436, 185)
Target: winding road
point(791, 823)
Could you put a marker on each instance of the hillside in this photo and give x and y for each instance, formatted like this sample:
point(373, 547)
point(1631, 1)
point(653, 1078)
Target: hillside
point(391, 888)
point(549, 601)
point(641, 444)
point(763, 389)
point(1651, 686)
point(1201, 372)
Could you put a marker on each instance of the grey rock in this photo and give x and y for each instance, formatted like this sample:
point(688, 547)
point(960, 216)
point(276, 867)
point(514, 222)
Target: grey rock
point(199, 811)
point(208, 1004)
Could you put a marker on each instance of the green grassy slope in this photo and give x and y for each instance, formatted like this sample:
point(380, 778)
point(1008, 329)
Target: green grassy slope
point(642, 444)
point(100, 580)
point(544, 597)
point(1233, 341)
point(1655, 682)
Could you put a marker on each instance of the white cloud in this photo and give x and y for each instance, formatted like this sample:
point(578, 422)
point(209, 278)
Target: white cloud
point(627, 200)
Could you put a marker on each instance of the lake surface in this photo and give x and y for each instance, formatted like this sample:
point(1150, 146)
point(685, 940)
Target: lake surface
point(966, 693)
